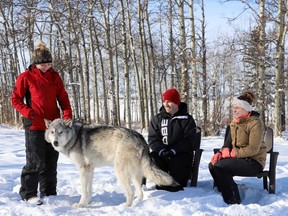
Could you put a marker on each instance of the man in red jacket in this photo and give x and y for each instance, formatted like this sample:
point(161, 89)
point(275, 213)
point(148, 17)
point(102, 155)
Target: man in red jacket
point(35, 96)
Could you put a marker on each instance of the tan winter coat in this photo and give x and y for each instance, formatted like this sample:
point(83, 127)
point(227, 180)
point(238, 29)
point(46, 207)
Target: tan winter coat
point(248, 138)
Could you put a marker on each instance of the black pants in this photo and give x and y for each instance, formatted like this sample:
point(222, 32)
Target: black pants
point(41, 166)
point(179, 166)
point(224, 171)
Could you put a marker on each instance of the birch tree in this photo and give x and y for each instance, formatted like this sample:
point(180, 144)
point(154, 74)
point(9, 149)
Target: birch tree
point(262, 40)
point(204, 72)
point(141, 7)
point(77, 50)
point(108, 44)
point(280, 57)
point(171, 45)
point(194, 77)
point(125, 65)
point(151, 64)
point(183, 46)
point(132, 48)
point(10, 61)
point(91, 29)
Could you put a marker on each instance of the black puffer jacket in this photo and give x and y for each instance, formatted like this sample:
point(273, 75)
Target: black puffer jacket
point(172, 132)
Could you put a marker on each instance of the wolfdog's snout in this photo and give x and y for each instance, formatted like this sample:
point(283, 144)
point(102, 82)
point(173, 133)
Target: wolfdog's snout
point(55, 143)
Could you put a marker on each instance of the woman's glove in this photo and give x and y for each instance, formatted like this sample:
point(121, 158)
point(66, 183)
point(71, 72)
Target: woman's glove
point(228, 153)
point(216, 157)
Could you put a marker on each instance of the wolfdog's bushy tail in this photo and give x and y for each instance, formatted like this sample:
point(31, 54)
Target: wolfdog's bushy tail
point(154, 173)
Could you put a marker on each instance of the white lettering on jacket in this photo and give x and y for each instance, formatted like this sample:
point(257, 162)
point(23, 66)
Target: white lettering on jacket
point(164, 131)
point(164, 128)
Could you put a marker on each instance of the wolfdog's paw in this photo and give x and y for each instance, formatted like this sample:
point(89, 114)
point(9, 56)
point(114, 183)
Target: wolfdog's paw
point(137, 201)
point(128, 204)
point(78, 205)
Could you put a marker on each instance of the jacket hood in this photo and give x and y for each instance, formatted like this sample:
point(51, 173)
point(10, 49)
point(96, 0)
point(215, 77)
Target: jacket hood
point(255, 113)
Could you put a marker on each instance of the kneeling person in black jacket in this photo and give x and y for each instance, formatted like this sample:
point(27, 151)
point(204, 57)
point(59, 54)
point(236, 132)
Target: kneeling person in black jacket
point(171, 139)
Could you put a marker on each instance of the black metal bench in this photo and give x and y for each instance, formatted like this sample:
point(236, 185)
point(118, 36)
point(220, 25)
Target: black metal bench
point(196, 159)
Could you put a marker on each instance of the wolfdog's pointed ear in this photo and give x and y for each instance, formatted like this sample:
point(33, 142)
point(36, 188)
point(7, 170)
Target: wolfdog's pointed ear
point(47, 122)
point(67, 122)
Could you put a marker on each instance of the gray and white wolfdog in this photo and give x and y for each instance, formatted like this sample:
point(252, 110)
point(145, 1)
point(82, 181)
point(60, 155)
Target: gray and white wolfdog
point(94, 146)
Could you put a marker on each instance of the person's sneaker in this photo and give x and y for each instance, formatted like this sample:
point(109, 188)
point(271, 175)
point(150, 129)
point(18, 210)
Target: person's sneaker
point(35, 201)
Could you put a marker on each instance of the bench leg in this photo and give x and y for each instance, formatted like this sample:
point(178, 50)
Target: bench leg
point(272, 185)
point(265, 185)
point(195, 167)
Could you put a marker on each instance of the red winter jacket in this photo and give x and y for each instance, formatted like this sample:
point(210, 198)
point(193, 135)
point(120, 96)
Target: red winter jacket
point(41, 92)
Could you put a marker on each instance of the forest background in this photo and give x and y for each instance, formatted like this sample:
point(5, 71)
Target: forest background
point(117, 57)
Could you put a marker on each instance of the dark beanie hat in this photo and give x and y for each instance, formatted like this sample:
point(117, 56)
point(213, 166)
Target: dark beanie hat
point(41, 54)
point(172, 95)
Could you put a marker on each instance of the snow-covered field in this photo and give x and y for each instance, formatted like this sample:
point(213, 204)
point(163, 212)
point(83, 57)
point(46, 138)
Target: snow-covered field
point(108, 197)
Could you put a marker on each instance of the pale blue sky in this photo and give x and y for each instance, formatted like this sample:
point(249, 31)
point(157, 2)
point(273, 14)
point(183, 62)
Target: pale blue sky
point(217, 14)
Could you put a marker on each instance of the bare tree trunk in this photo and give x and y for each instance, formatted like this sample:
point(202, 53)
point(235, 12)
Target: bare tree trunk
point(204, 74)
point(279, 80)
point(261, 82)
point(125, 67)
point(184, 69)
point(162, 74)
point(194, 95)
point(135, 65)
point(93, 59)
point(74, 83)
point(171, 44)
point(143, 64)
point(79, 72)
point(117, 87)
point(151, 59)
point(11, 68)
point(86, 79)
point(104, 97)
point(106, 19)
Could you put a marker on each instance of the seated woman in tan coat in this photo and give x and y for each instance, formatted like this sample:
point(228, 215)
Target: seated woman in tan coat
point(243, 152)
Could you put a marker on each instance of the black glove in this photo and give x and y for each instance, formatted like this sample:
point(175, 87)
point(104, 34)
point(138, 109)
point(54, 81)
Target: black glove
point(167, 154)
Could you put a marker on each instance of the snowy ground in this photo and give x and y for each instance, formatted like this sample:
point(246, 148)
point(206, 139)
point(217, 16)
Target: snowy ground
point(108, 197)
